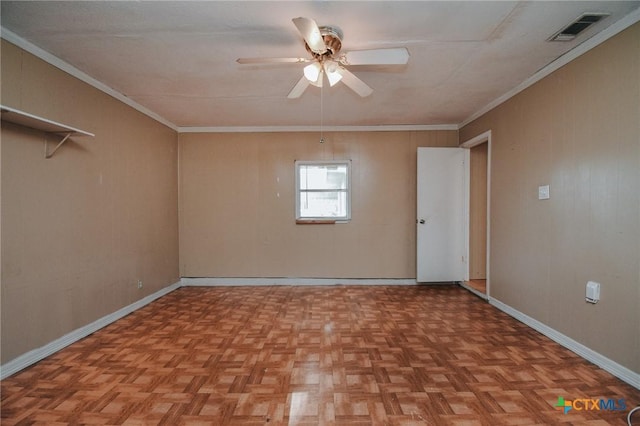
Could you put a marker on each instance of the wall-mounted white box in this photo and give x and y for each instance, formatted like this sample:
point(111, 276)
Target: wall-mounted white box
point(543, 192)
point(593, 292)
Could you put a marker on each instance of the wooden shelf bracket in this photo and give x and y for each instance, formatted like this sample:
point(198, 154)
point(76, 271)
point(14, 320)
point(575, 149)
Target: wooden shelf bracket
point(49, 127)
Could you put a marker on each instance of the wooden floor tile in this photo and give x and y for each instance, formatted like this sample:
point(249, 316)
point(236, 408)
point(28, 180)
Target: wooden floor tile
point(339, 355)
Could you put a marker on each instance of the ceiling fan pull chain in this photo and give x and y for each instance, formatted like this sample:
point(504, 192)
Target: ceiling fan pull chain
point(321, 112)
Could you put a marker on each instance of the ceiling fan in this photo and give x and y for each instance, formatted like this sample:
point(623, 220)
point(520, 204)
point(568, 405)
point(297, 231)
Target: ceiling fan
point(324, 44)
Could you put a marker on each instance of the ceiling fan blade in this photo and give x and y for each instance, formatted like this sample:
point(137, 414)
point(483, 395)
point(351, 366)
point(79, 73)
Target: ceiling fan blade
point(299, 88)
point(354, 83)
point(271, 60)
point(393, 56)
point(311, 34)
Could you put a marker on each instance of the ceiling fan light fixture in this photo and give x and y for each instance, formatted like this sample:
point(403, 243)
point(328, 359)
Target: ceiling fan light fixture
point(324, 44)
point(332, 69)
point(312, 72)
point(318, 82)
point(333, 77)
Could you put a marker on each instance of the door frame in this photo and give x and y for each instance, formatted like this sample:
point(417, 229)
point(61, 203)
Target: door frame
point(477, 140)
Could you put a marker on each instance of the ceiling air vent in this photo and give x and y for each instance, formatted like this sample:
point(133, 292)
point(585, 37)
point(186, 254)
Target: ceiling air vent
point(583, 22)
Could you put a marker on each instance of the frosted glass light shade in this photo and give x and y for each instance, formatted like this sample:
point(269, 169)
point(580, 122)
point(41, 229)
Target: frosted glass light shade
point(312, 72)
point(333, 72)
point(333, 77)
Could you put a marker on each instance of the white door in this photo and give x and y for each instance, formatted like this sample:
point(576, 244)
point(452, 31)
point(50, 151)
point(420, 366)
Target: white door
point(441, 215)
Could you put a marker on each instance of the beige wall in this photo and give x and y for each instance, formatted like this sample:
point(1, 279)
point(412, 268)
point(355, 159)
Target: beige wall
point(79, 229)
point(237, 205)
point(577, 130)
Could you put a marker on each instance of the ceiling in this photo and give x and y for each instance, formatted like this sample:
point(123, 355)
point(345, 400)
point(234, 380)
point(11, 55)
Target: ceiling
point(177, 59)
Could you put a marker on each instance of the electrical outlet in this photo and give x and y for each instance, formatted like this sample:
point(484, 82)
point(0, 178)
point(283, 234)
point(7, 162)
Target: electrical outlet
point(139, 283)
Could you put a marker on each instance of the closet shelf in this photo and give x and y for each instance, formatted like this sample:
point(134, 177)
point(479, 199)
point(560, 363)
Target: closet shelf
point(50, 127)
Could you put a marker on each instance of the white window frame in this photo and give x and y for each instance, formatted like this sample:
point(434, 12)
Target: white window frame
point(299, 192)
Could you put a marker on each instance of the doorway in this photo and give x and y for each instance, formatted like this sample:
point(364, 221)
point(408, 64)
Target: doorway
point(476, 277)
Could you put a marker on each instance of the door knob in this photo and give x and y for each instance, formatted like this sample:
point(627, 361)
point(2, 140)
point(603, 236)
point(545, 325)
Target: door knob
point(422, 221)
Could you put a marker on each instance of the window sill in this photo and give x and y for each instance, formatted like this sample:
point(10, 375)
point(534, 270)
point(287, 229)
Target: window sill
point(315, 221)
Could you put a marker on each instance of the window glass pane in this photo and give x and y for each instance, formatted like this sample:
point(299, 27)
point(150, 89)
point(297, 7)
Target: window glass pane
point(323, 176)
point(322, 190)
point(330, 204)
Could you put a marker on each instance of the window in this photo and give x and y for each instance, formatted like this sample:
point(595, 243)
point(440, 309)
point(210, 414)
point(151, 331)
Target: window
point(323, 190)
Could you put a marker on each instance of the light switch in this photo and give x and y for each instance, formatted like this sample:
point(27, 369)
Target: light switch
point(593, 292)
point(543, 192)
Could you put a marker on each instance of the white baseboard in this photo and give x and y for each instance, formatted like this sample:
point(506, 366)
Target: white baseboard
point(620, 371)
point(31, 357)
point(212, 282)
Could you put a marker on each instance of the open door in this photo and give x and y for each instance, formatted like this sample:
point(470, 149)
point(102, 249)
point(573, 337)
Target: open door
point(440, 241)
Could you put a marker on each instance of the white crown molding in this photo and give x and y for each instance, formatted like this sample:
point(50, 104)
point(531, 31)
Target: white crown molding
point(620, 371)
point(285, 129)
point(31, 357)
point(80, 75)
point(563, 60)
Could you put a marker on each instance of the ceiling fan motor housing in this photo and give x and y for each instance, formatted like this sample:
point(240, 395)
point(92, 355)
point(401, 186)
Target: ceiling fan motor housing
point(332, 37)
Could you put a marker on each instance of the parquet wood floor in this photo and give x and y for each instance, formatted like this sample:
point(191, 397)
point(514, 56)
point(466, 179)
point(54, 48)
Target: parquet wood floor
point(343, 355)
